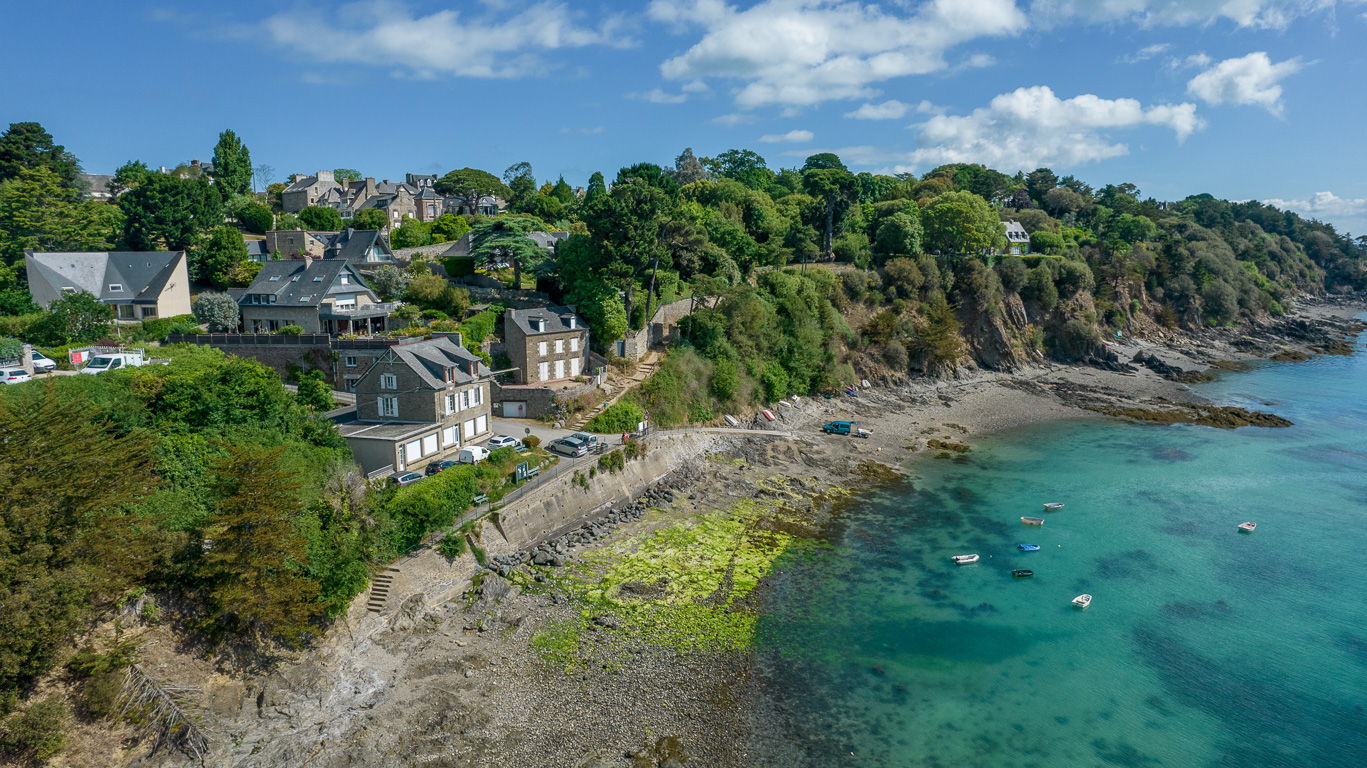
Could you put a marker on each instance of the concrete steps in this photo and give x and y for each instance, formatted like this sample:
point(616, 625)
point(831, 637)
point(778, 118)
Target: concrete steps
point(644, 370)
point(379, 589)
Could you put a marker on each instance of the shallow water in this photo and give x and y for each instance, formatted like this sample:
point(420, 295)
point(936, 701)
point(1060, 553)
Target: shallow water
point(1202, 647)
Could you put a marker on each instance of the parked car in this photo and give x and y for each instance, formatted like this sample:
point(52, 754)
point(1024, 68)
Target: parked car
point(407, 478)
point(14, 376)
point(473, 454)
point(591, 441)
point(569, 446)
point(113, 362)
point(503, 441)
point(438, 466)
point(42, 362)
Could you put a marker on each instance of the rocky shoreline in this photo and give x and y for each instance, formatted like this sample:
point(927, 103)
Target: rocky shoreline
point(623, 641)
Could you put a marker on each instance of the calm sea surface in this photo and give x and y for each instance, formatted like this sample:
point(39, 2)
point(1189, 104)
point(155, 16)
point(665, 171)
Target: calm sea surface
point(1202, 647)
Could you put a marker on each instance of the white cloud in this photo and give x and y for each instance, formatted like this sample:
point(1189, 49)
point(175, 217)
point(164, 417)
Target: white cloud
point(1259, 14)
point(891, 109)
point(791, 137)
point(1032, 127)
point(1252, 79)
point(658, 96)
point(504, 43)
point(1345, 213)
point(733, 119)
point(1145, 53)
point(697, 86)
point(804, 52)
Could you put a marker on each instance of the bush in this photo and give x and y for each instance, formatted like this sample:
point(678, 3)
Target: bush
point(321, 219)
point(459, 267)
point(612, 462)
point(895, 355)
point(293, 329)
point(452, 545)
point(36, 733)
point(19, 326)
point(1073, 278)
point(256, 218)
point(1078, 338)
point(724, 380)
point(216, 310)
point(1013, 273)
point(1220, 302)
point(622, 417)
point(501, 456)
point(531, 441)
point(1039, 287)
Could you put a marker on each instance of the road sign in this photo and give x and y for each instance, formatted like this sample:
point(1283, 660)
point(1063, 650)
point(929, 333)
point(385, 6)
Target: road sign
point(521, 472)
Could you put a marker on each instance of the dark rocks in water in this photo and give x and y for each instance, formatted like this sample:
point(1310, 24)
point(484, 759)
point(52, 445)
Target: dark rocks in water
point(1289, 356)
point(1222, 417)
point(1170, 372)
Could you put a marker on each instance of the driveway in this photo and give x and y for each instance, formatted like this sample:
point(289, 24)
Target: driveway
point(518, 428)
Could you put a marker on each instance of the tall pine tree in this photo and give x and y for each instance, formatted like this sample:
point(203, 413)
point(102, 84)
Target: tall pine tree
point(232, 165)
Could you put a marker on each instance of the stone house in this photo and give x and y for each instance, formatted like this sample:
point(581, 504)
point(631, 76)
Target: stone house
point(488, 205)
point(546, 345)
point(140, 285)
point(294, 243)
point(418, 403)
point(1017, 239)
point(319, 295)
point(308, 190)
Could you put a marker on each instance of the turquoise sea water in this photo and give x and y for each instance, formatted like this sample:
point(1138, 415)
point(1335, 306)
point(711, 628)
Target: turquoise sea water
point(1203, 646)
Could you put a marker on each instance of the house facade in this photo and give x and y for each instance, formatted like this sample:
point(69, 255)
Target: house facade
point(1017, 239)
point(418, 403)
point(140, 285)
point(546, 345)
point(319, 295)
point(308, 190)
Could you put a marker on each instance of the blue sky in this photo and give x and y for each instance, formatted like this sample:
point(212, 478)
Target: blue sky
point(1240, 98)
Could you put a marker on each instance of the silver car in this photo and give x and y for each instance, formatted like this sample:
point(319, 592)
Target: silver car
point(502, 441)
point(569, 446)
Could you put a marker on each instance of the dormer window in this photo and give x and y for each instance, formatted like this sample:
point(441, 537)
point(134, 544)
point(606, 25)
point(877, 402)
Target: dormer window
point(115, 288)
point(68, 290)
point(346, 279)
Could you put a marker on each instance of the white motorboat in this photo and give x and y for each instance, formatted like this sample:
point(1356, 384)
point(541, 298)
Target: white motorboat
point(1032, 520)
point(965, 559)
point(1247, 527)
point(1082, 601)
point(1053, 506)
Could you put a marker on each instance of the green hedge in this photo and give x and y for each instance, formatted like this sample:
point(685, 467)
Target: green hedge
point(622, 417)
point(459, 266)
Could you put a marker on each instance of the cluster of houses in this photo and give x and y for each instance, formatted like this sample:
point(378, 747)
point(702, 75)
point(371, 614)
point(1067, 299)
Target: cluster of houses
point(414, 197)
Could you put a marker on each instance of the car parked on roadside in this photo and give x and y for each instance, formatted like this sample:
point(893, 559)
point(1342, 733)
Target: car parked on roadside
point(438, 466)
point(569, 446)
point(591, 441)
point(473, 454)
point(42, 362)
point(14, 376)
point(407, 478)
point(503, 441)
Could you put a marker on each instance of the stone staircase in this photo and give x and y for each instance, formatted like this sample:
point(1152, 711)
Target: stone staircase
point(647, 366)
point(379, 589)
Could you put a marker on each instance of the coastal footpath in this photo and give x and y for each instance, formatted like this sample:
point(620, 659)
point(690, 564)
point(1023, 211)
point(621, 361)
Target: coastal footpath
point(615, 625)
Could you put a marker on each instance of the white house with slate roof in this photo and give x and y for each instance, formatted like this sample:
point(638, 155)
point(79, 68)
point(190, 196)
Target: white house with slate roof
point(1018, 240)
point(419, 402)
point(140, 285)
point(319, 295)
point(545, 345)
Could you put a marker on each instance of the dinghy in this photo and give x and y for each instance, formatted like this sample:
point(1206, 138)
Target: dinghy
point(1082, 601)
point(1247, 527)
point(1053, 506)
point(1022, 573)
point(965, 559)
point(1028, 547)
point(1032, 520)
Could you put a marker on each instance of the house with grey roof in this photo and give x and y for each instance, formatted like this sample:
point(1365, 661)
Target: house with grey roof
point(418, 403)
point(140, 285)
point(97, 186)
point(546, 345)
point(364, 249)
point(487, 205)
point(1018, 240)
point(319, 295)
point(256, 249)
point(307, 190)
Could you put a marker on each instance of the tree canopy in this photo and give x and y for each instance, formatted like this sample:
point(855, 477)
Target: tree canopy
point(232, 165)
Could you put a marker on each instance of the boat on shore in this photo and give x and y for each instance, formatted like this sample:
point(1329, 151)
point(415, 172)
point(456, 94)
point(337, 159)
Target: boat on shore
point(964, 559)
point(1028, 547)
point(1247, 527)
point(1032, 520)
point(1022, 573)
point(1082, 601)
point(1053, 506)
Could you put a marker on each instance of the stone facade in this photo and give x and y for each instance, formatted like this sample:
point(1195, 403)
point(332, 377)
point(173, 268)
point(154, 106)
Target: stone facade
point(306, 191)
point(663, 328)
point(546, 345)
point(290, 243)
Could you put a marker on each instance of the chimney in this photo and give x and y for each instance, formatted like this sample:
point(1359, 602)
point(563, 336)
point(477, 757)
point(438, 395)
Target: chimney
point(325, 176)
point(308, 262)
point(194, 163)
point(573, 320)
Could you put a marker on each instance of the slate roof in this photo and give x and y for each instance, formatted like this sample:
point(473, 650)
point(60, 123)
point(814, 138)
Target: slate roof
point(351, 245)
point(1016, 233)
point(557, 320)
point(430, 359)
point(302, 184)
point(142, 275)
point(99, 183)
point(256, 249)
point(316, 279)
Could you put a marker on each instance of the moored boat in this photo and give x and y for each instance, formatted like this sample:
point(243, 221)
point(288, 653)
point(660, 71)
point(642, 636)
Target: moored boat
point(1082, 601)
point(1032, 520)
point(1053, 506)
point(1247, 527)
point(1028, 547)
point(964, 559)
point(1022, 573)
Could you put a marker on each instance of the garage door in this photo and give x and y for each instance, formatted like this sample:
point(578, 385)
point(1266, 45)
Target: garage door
point(514, 410)
point(429, 445)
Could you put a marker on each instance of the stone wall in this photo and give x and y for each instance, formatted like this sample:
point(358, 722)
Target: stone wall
point(540, 401)
point(662, 329)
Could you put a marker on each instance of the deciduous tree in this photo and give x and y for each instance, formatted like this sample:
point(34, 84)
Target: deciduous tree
point(78, 318)
point(370, 218)
point(321, 219)
point(961, 222)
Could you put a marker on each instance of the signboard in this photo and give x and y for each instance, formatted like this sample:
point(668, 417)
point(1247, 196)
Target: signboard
point(79, 356)
point(521, 472)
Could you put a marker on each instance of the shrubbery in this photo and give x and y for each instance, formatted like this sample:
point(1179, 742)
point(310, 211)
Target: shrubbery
point(620, 417)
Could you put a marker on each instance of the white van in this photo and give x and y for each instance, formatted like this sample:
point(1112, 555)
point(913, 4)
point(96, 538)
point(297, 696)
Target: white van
point(473, 454)
point(113, 362)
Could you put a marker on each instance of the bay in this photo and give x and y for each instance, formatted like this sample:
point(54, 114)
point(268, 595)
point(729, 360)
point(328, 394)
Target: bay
point(1203, 646)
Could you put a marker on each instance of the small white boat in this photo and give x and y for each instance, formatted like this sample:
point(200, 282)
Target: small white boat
point(1082, 601)
point(964, 559)
point(1053, 506)
point(1032, 520)
point(1247, 527)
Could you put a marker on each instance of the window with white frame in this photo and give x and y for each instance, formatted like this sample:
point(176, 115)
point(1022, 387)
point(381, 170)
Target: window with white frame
point(449, 437)
point(346, 279)
point(559, 346)
point(116, 288)
point(544, 371)
point(389, 406)
point(574, 344)
point(464, 400)
point(350, 361)
point(389, 381)
point(450, 403)
point(469, 428)
point(479, 393)
point(541, 348)
point(481, 425)
point(345, 301)
point(429, 444)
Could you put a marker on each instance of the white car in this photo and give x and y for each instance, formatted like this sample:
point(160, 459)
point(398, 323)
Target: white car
point(42, 362)
point(14, 376)
point(503, 441)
